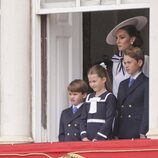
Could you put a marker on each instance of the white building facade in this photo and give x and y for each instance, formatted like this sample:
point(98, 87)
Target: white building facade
point(41, 52)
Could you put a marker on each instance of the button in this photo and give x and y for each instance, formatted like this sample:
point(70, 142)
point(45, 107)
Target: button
point(75, 134)
point(122, 106)
point(130, 106)
point(121, 116)
point(68, 134)
point(69, 125)
point(75, 125)
point(129, 116)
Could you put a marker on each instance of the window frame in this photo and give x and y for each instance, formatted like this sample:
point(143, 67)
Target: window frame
point(36, 55)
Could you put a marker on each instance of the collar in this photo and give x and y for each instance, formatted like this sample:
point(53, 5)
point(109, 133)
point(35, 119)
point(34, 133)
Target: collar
point(135, 76)
point(78, 106)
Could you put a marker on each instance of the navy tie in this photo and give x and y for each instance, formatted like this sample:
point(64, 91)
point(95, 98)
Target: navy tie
point(131, 80)
point(74, 109)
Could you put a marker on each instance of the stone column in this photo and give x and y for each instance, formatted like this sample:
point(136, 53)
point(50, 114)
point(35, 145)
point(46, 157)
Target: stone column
point(15, 69)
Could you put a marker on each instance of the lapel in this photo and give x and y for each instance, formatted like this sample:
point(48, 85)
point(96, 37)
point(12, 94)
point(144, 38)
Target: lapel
point(76, 115)
point(131, 89)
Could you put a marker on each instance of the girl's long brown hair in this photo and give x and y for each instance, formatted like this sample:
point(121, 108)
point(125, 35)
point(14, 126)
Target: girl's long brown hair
point(101, 72)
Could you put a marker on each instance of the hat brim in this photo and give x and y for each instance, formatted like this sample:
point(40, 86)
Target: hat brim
point(139, 22)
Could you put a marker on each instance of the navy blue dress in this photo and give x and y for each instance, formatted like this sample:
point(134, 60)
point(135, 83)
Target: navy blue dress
point(98, 125)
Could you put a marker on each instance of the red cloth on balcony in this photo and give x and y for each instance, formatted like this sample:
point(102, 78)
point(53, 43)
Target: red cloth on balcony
point(102, 149)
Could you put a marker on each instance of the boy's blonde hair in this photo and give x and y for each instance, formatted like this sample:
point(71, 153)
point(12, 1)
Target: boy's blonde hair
point(78, 85)
point(135, 53)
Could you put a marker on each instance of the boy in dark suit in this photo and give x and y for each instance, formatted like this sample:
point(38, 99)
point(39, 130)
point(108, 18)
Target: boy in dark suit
point(133, 99)
point(69, 129)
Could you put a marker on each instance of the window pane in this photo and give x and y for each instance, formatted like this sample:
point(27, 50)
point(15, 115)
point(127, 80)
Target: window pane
point(134, 1)
point(105, 2)
point(90, 2)
point(57, 3)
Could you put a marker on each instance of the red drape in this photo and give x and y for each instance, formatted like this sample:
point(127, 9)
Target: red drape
point(102, 149)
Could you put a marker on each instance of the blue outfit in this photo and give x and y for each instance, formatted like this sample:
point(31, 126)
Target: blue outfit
point(69, 129)
point(97, 116)
point(133, 107)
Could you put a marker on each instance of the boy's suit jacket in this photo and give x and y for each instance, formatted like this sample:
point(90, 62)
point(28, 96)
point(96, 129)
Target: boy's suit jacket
point(133, 108)
point(69, 129)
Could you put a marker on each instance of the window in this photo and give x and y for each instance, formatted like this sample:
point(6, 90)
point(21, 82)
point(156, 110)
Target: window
point(59, 6)
point(70, 7)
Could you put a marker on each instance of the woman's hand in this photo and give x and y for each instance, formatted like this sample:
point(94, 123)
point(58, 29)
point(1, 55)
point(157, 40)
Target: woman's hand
point(85, 139)
point(142, 136)
point(94, 140)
